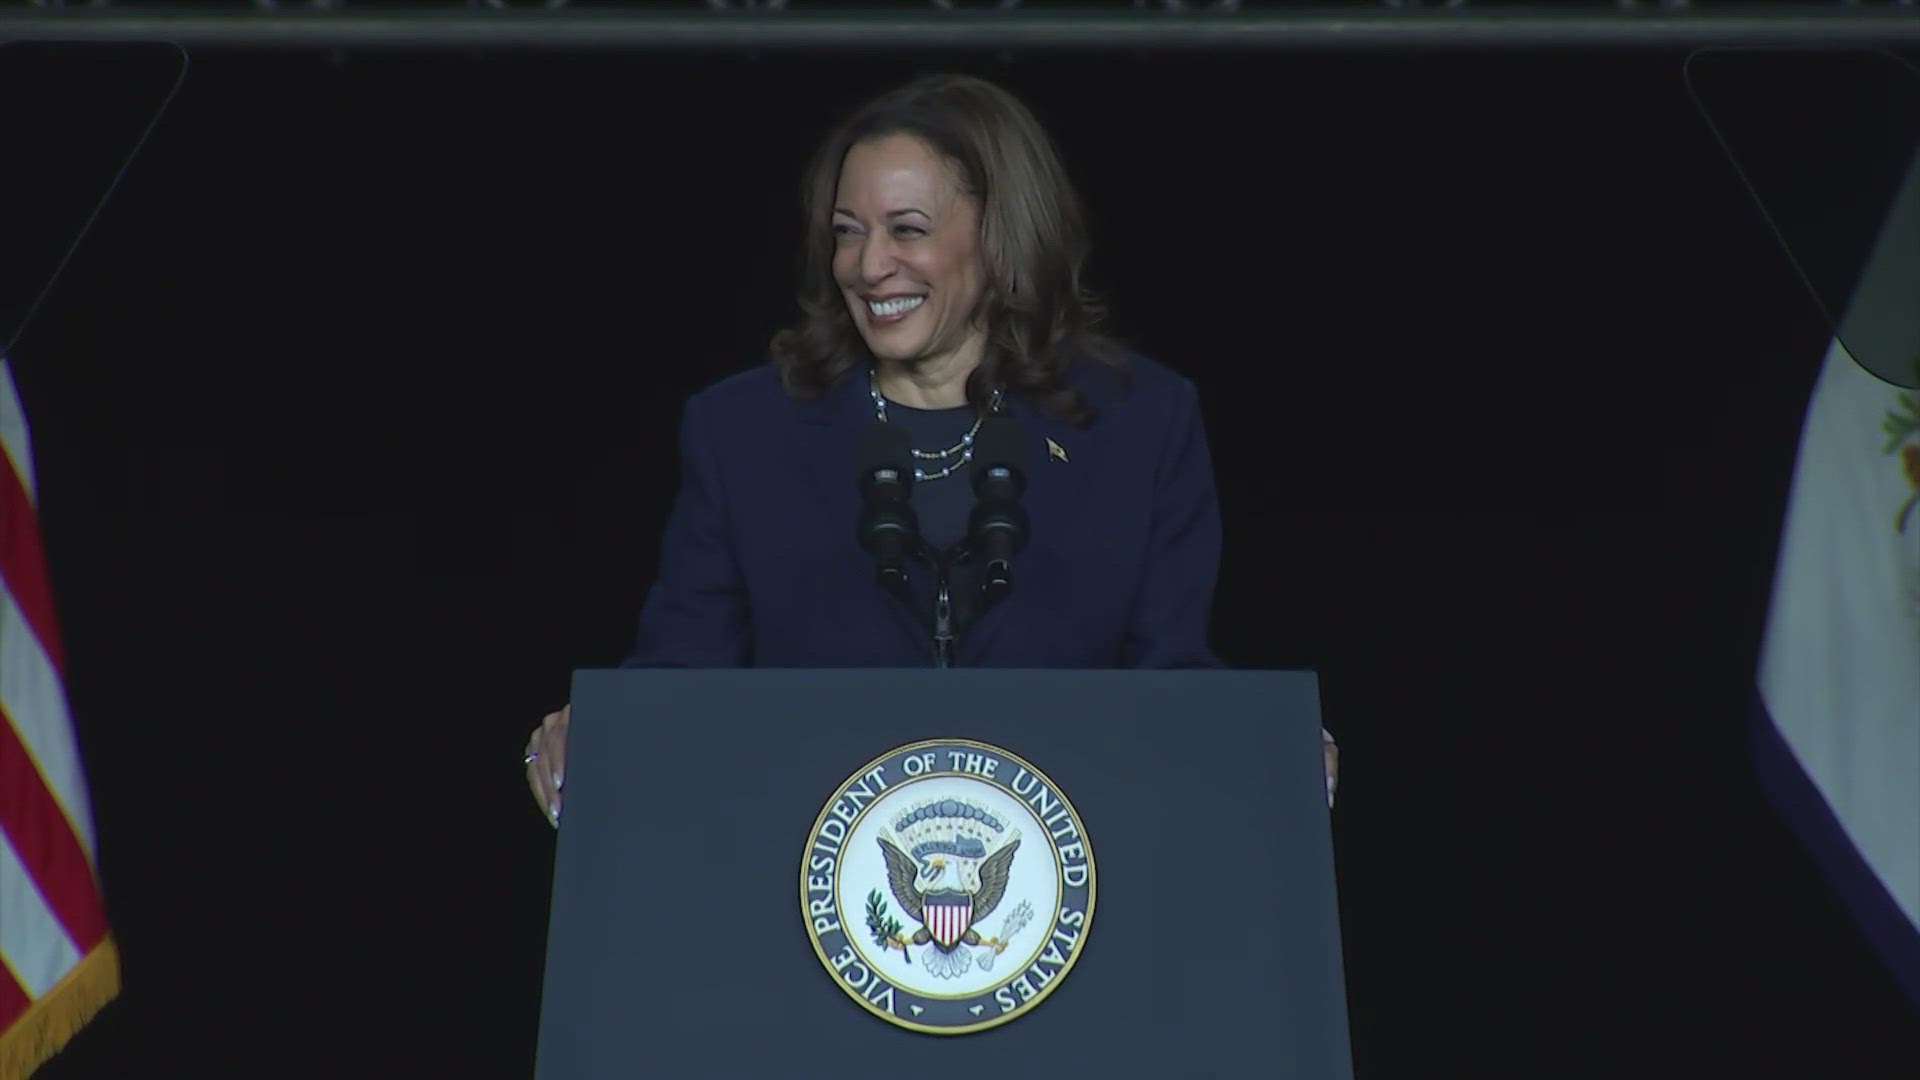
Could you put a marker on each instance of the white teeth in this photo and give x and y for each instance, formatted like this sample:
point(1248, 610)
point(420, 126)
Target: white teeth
point(898, 306)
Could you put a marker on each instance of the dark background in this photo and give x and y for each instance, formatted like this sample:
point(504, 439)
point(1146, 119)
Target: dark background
point(355, 417)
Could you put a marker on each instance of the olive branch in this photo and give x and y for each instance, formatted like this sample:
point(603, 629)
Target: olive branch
point(884, 927)
point(1901, 422)
point(1900, 425)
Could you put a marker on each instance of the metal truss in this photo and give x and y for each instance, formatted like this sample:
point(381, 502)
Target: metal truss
point(798, 25)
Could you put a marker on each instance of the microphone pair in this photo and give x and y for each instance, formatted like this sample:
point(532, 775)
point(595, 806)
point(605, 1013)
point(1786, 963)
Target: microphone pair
point(996, 529)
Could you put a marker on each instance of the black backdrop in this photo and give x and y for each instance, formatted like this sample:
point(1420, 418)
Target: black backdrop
point(354, 418)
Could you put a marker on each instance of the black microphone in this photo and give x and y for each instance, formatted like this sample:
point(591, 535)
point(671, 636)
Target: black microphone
point(889, 529)
point(997, 530)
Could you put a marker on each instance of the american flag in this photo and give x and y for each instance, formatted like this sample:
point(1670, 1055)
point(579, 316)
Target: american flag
point(58, 964)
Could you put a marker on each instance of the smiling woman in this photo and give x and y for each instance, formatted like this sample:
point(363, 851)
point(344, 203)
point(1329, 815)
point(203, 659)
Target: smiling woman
point(940, 288)
point(907, 258)
point(943, 235)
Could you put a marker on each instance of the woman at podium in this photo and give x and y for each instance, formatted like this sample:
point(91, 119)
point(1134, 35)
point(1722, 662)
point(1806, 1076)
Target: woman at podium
point(942, 308)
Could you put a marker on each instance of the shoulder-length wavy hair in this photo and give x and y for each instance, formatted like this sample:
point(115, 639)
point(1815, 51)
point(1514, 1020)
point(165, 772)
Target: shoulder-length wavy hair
point(1038, 318)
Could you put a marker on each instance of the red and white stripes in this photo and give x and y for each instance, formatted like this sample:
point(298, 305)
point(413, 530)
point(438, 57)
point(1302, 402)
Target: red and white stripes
point(948, 921)
point(57, 961)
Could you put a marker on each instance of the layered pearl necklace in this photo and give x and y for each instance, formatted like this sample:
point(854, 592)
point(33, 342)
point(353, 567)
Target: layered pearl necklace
point(964, 447)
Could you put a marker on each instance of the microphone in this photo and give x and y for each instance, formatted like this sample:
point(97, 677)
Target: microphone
point(889, 530)
point(997, 528)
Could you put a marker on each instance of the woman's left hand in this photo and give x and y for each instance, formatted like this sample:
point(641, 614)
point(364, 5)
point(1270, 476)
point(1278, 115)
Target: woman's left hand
point(1330, 753)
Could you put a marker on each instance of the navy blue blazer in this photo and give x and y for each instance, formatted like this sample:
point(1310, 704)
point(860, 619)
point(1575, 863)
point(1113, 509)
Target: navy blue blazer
point(760, 565)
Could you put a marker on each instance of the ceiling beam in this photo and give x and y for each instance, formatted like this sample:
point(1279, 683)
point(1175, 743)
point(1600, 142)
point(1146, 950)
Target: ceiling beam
point(1309, 29)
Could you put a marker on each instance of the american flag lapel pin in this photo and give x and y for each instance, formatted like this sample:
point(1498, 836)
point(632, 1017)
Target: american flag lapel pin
point(1054, 451)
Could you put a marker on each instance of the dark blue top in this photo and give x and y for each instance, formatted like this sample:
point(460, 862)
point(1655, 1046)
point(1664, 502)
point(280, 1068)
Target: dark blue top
point(760, 564)
point(942, 505)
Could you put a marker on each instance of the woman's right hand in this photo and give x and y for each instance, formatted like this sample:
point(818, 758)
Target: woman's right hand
point(546, 759)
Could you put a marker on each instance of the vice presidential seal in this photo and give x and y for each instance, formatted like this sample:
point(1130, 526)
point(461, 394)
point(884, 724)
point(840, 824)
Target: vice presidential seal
point(947, 886)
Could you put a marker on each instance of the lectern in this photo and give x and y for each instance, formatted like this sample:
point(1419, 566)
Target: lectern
point(944, 874)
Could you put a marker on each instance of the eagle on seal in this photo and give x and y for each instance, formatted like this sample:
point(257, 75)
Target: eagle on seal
point(948, 867)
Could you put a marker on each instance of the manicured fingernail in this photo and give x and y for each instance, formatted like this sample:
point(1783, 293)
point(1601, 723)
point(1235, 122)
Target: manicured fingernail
point(553, 814)
point(556, 780)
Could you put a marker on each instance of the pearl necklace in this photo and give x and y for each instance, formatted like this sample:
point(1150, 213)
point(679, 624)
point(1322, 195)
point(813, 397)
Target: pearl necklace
point(964, 447)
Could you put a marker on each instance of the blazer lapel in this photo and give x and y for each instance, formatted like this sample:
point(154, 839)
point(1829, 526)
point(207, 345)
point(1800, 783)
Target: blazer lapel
point(1060, 467)
point(827, 446)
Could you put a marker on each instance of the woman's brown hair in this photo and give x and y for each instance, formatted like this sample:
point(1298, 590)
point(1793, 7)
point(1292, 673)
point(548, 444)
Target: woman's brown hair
point(1038, 318)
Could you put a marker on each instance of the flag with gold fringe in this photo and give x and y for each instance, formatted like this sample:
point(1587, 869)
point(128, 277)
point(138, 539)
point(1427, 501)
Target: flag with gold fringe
point(1838, 730)
point(58, 964)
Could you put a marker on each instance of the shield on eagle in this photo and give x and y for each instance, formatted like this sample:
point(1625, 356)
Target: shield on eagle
point(947, 915)
point(948, 862)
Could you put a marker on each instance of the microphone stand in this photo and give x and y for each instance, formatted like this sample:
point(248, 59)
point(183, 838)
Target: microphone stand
point(892, 578)
point(944, 637)
point(946, 632)
point(950, 623)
